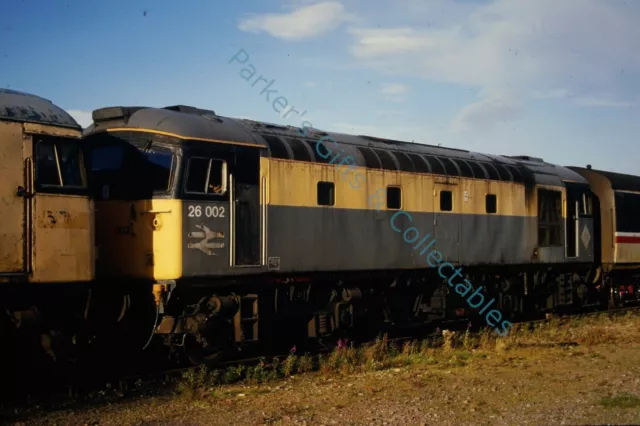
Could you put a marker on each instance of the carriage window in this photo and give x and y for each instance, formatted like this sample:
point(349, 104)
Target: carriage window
point(394, 197)
point(59, 164)
point(549, 218)
point(446, 201)
point(491, 203)
point(326, 193)
point(206, 176)
point(627, 208)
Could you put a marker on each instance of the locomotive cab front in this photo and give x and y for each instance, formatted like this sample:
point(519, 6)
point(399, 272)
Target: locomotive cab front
point(176, 207)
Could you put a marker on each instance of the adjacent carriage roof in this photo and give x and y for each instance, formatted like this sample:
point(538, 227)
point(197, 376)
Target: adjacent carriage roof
point(24, 107)
point(619, 181)
point(287, 142)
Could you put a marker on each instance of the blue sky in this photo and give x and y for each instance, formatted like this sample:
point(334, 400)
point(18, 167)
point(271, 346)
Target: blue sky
point(552, 79)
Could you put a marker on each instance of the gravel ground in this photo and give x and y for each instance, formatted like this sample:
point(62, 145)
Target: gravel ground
point(539, 384)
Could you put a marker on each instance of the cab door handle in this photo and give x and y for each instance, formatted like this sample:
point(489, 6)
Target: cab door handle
point(21, 192)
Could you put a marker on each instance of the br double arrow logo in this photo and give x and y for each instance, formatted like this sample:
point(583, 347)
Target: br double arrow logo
point(205, 245)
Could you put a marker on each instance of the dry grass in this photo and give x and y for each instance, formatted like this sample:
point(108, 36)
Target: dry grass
point(444, 347)
point(580, 371)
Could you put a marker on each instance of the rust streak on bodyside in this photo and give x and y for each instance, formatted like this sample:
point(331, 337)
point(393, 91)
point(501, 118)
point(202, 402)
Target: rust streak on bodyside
point(64, 238)
point(40, 129)
point(11, 205)
point(63, 219)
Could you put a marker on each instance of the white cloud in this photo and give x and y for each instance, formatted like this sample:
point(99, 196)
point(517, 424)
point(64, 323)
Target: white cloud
point(485, 113)
point(584, 51)
point(394, 92)
point(302, 23)
point(84, 118)
point(605, 102)
point(393, 89)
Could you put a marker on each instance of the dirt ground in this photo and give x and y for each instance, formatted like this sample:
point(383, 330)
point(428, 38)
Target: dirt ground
point(586, 373)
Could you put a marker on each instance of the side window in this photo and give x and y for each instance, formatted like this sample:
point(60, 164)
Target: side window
point(70, 165)
point(59, 164)
point(326, 194)
point(586, 205)
point(627, 208)
point(549, 218)
point(159, 166)
point(106, 158)
point(491, 203)
point(446, 201)
point(206, 176)
point(47, 172)
point(394, 197)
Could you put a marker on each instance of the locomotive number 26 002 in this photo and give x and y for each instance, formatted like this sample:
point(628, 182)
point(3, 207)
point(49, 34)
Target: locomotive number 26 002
point(209, 211)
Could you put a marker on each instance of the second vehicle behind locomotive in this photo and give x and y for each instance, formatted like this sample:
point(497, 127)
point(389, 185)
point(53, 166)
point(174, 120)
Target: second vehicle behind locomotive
point(246, 235)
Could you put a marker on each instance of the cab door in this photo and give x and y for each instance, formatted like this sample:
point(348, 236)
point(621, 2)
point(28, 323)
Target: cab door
point(245, 226)
point(221, 209)
point(61, 212)
point(12, 209)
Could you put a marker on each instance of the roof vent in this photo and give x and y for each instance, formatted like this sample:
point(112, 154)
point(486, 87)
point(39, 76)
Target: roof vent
point(383, 140)
point(526, 158)
point(114, 113)
point(190, 110)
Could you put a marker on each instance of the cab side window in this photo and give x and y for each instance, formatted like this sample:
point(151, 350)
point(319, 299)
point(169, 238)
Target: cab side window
point(206, 176)
point(59, 165)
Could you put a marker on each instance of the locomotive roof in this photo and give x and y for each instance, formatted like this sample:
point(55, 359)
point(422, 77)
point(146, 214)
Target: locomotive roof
point(24, 107)
point(286, 142)
point(619, 181)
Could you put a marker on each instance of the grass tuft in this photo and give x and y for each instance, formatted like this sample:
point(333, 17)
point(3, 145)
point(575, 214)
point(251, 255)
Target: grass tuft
point(624, 400)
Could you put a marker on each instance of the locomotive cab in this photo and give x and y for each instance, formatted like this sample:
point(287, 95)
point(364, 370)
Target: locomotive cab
point(47, 221)
point(46, 231)
point(175, 207)
point(164, 209)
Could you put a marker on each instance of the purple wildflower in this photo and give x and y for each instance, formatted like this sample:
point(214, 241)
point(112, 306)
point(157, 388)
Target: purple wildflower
point(293, 349)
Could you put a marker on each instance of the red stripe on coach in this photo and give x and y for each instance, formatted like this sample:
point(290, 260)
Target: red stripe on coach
point(628, 240)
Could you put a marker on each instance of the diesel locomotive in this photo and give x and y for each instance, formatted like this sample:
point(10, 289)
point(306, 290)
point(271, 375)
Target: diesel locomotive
point(215, 234)
point(248, 232)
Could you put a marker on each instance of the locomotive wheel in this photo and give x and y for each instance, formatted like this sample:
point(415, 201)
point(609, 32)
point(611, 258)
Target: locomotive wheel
point(198, 355)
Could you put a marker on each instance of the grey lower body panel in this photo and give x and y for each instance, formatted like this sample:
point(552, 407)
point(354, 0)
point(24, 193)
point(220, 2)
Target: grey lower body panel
point(330, 239)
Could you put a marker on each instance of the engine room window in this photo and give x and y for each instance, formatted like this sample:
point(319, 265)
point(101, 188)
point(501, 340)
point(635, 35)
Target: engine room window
point(491, 203)
point(446, 201)
point(206, 176)
point(394, 197)
point(59, 164)
point(549, 218)
point(326, 193)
